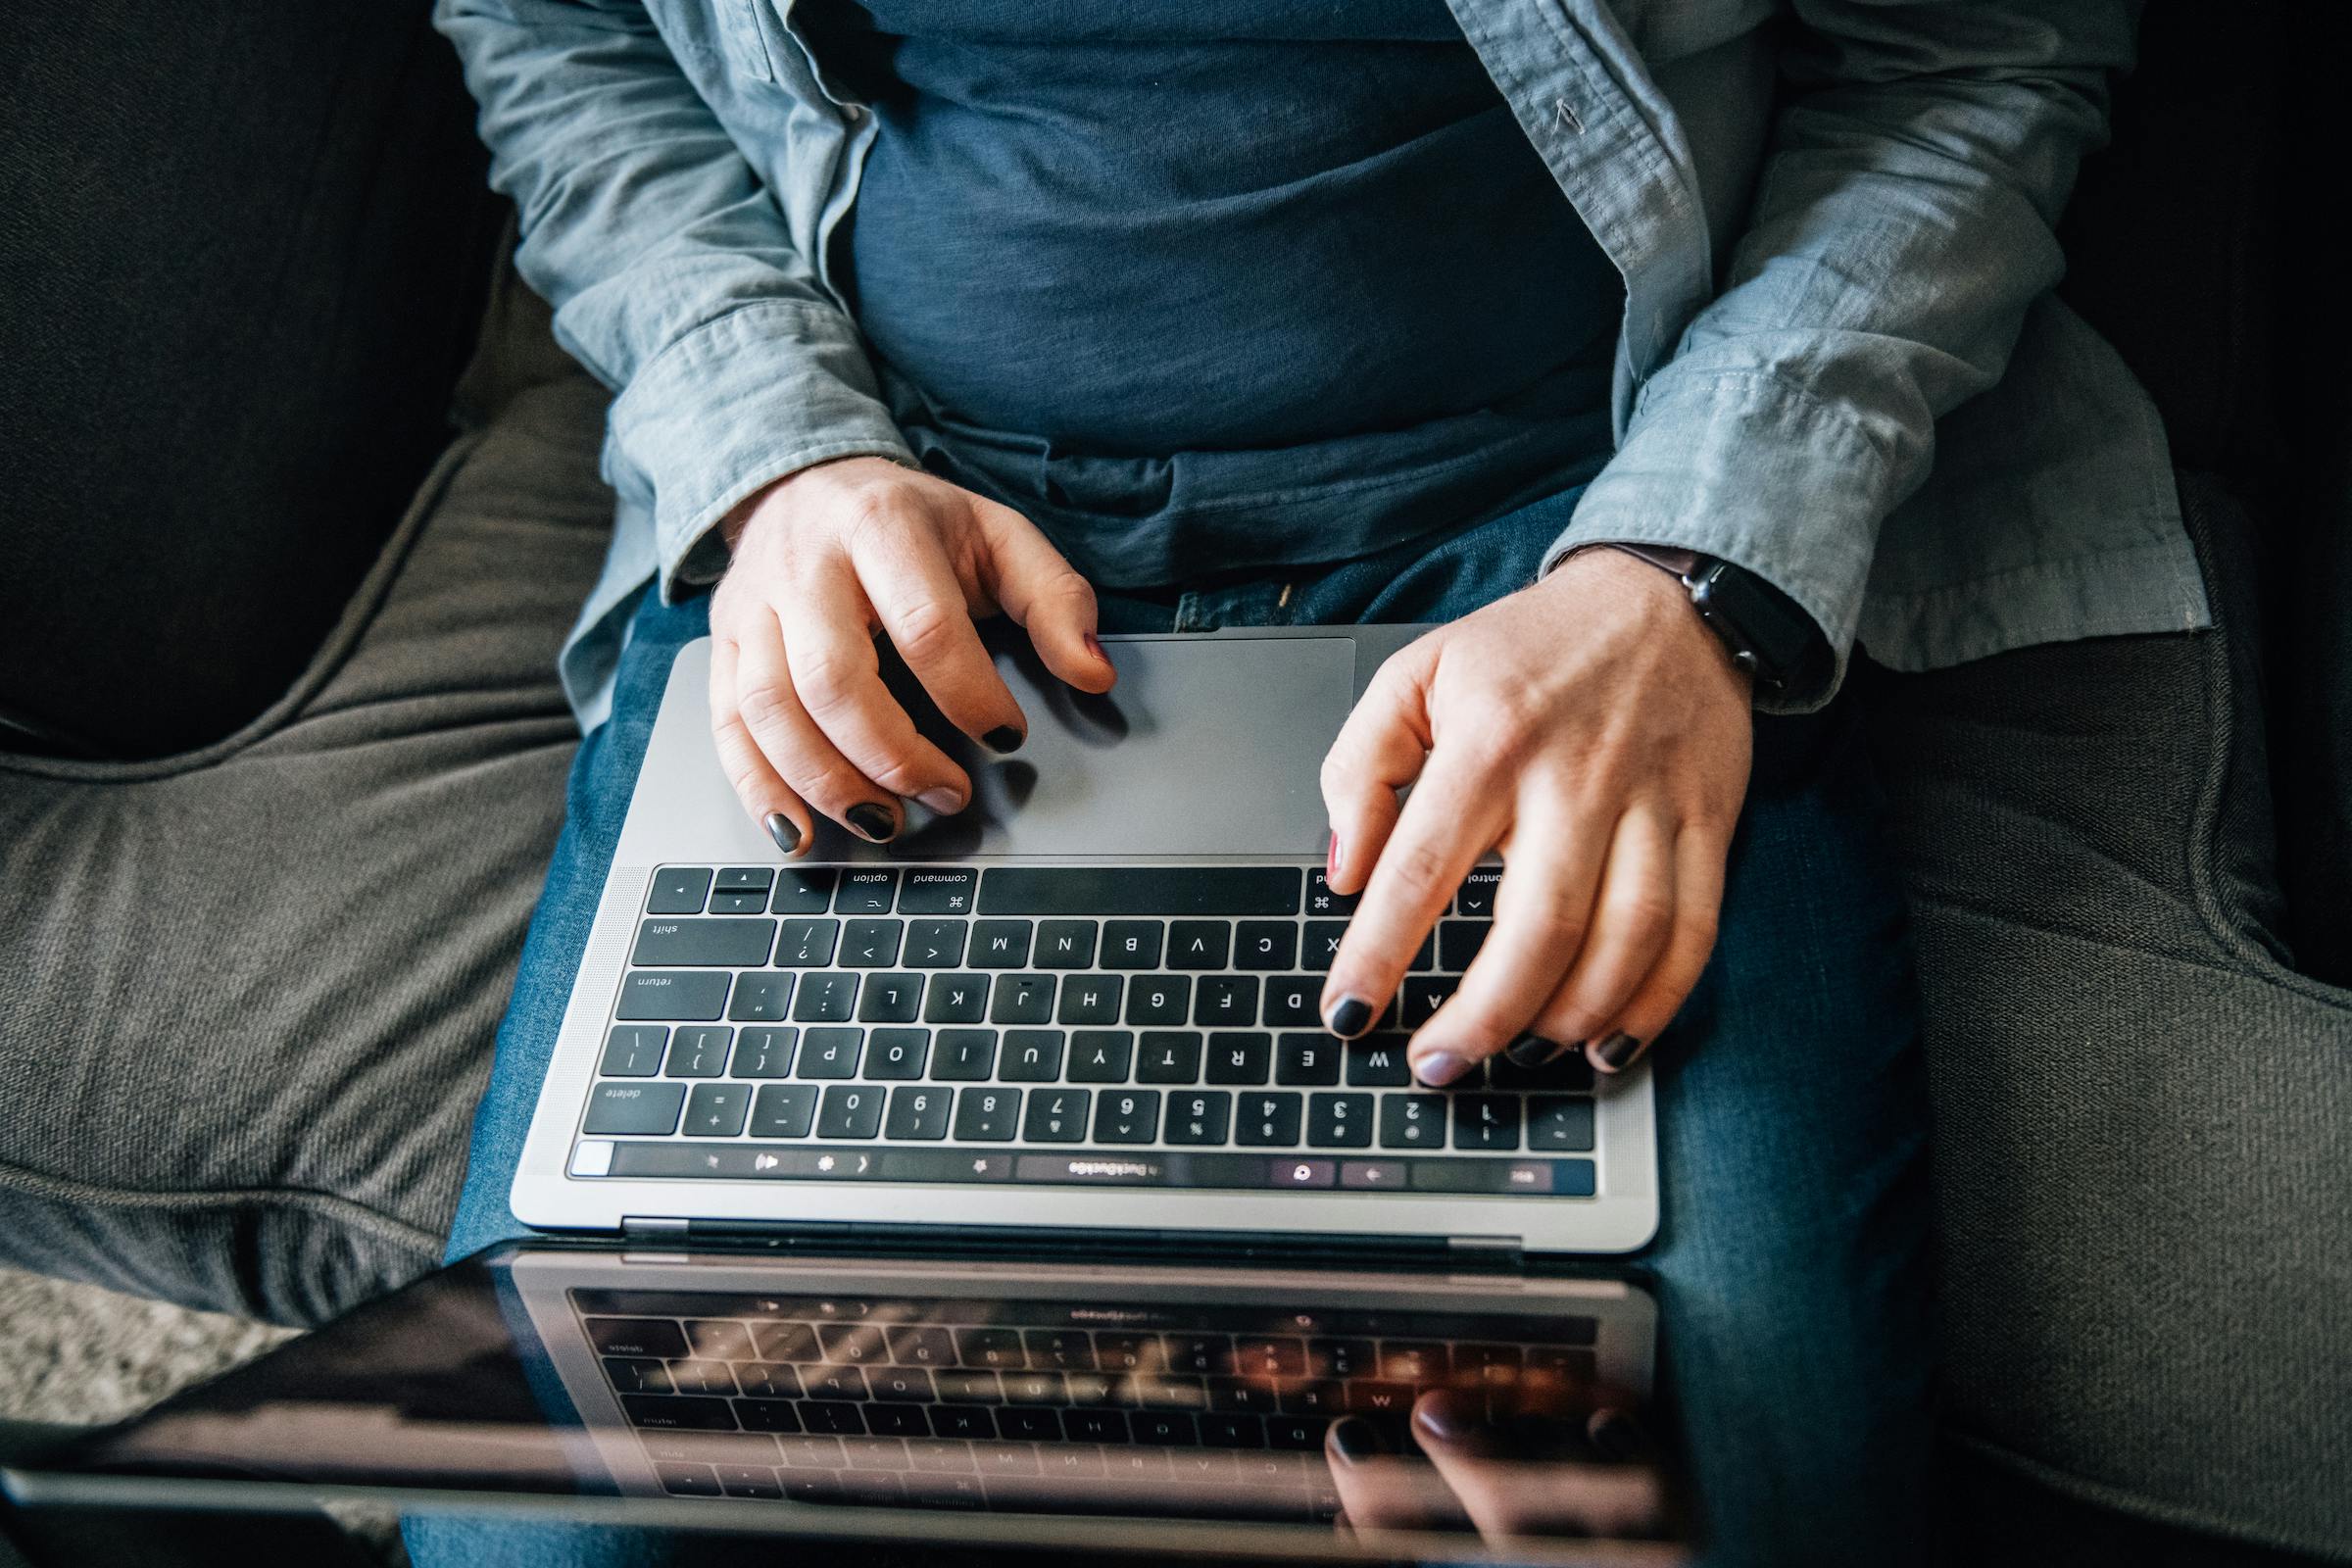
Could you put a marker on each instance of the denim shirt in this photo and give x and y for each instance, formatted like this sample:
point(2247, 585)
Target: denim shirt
point(1839, 364)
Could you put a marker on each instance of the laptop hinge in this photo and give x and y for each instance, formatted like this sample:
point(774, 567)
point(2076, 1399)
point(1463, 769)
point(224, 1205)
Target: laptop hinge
point(1488, 1251)
point(662, 1226)
point(1236, 1247)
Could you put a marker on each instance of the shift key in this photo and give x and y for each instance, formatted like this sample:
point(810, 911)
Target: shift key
point(686, 994)
point(726, 942)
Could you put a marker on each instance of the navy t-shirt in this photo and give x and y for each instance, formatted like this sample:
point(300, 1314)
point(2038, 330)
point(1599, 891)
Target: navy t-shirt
point(1166, 272)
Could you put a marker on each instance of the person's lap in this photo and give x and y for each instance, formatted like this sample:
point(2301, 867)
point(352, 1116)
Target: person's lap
point(1793, 1256)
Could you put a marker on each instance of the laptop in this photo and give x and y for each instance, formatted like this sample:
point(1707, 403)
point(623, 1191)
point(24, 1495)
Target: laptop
point(1088, 1003)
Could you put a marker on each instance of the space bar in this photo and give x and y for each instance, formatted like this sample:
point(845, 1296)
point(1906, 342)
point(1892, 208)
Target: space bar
point(1140, 890)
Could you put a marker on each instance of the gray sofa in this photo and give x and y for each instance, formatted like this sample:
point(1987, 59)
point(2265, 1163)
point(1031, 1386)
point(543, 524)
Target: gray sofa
point(248, 986)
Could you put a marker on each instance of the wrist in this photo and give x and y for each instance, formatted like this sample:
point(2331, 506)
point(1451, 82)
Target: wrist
point(825, 473)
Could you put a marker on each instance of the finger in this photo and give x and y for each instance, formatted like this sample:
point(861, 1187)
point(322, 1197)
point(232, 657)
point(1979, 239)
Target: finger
point(1381, 748)
point(1379, 1490)
point(1452, 817)
point(1551, 871)
point(1044, 594)
point(1632, 920)
point(839, 678)
point(921, 605)
point(1508, 1497)
point(1698, 868)
point(809, 763)
point(762, 790)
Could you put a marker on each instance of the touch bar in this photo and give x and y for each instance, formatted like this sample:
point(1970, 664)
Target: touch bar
point(741, 1161)
point(1140, 890)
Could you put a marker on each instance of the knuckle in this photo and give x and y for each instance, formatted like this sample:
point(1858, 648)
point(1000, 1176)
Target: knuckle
point(830, 787)
point(1420, 870)
point(827, 689)
point(1648, 911)
point(900, 776)
point(763, 707)
point(926, 631)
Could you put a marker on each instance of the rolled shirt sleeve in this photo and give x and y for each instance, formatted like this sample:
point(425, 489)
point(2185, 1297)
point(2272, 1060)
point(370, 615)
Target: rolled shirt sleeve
point(1901, 229)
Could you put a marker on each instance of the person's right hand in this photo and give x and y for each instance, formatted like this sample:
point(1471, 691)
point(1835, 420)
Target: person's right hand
point(825, 559)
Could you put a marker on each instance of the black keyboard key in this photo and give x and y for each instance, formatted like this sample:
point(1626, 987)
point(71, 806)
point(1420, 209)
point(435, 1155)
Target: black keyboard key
point(1033, 1388)
point(890, 997)
point(987, 1116)
point(955, 998)
point(1129, 1352)
point(1127, 1116)
point(1339, 1121)
point(1101, 1056)
point(1140, 890)
point(1307, 1058)
point(697, 995)
point(1293, 1000)
point(1378, 1061)
point(866, 890)
point(654, 1337)
point(713, 944)
point(1131, 944)
point(699, 1051)
point(630, 1376)
point(937, 890)
point(918, 1114)
point(1000, 944)
point(965, 1423)
point(1412, 1121)
point(678, 890)
point(1477, 895)
point(1559, 1123)
point(1486, 1121)
point(1062, 1349)
point(719, 1340)
point(1199, 1116)
point(764, 1053)
point(830, 1053)
point(703, 1377)
point(850, 1110)
point(802, 890)
point(1022, 998)
point(997, 1349)
point(896, 1053)
point(902, 1385)
point(1225, 999)
point(961, 1056)
point(1270, 1356)
point(1423, 995)
point(744, 879)
point(786, 1342)
point(870, 944)
point(1268, 1121)
point(1199, 944)
point(1160, 998)
point(1459, 942)
point(1231, 1430)
point(1168, 1056)
point(1265, 945)
point(807, 944)
point(921, 1346)
point(934, 944)
point(836, 1418)
point(783, 1111)
point(1321, 900)
point(716, 1111)
point(1064, 944)
point(1301, 1432)
point(1321, 944)
point(824, 998)
point(760, 996)
point(1088, 998)
point(1056, 1116)
point(1240, 1058)
point(739, 904)
point(1032, 1055)
point(634, 1051)
point(679, 1414)
point(635, 1108)
point(1339, 1358)
point(1164, 1428)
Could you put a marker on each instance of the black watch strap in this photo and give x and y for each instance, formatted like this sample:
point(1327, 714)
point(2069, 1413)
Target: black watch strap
point(1767, 633)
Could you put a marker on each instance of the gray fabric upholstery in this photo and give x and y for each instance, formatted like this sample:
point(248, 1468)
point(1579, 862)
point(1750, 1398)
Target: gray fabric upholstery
point(2143, 1118)
point(246, 995)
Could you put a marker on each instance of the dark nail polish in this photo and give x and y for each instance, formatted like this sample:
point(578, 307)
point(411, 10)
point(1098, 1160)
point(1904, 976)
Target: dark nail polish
point(1003, 738)
point(1356, 1440)
point(779, 827)
point(1443, 1417)
point(872, 822)
point(1532, 1050)
point(1614, 1434)
point(1618, 1052)
point(1352, 1018)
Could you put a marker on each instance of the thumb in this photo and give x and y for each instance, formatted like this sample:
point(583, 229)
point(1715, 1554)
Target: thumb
point(1043, 593)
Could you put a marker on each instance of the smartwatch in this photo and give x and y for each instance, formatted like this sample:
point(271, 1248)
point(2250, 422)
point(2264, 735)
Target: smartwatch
point(1766, 632)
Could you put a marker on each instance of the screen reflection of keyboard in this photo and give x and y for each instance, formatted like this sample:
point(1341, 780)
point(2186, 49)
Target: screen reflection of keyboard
point(1066, 1025)
point(1201, 1412)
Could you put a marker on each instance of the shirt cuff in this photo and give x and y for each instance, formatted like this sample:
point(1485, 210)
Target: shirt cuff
point(1750, 470)
point(743, 400)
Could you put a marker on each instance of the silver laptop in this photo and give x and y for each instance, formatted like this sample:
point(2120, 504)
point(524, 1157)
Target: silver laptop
point(1086, 1004)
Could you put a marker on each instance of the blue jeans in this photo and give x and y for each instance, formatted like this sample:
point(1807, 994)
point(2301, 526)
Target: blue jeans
point(1791, 1261)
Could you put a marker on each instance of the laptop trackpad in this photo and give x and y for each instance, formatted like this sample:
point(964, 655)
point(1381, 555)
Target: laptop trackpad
point(1206, 746)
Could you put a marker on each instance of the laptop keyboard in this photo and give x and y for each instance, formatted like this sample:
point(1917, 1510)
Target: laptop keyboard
point(1213, 1410)
point(1061, 1025)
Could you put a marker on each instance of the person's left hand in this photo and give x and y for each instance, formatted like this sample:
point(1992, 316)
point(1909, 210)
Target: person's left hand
point(1591, 729)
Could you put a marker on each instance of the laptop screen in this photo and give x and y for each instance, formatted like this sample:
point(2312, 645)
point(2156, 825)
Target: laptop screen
point(1316, 1413)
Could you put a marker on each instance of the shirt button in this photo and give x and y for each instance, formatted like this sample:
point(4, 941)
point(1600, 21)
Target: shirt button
point(852, 112)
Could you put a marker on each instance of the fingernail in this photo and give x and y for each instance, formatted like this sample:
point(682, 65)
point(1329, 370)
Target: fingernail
point(1093, 646)
point(779, 827)
point(944, 801)
point(1617, 1053)
point(1443, 1416)
point(1532, 1050)
point(1440, 1068)
point(1356, 1440)
point(1350, 1017)
point(1331, 859)
point(1614, 1434)
point(872, 823)
point(1003, 738)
